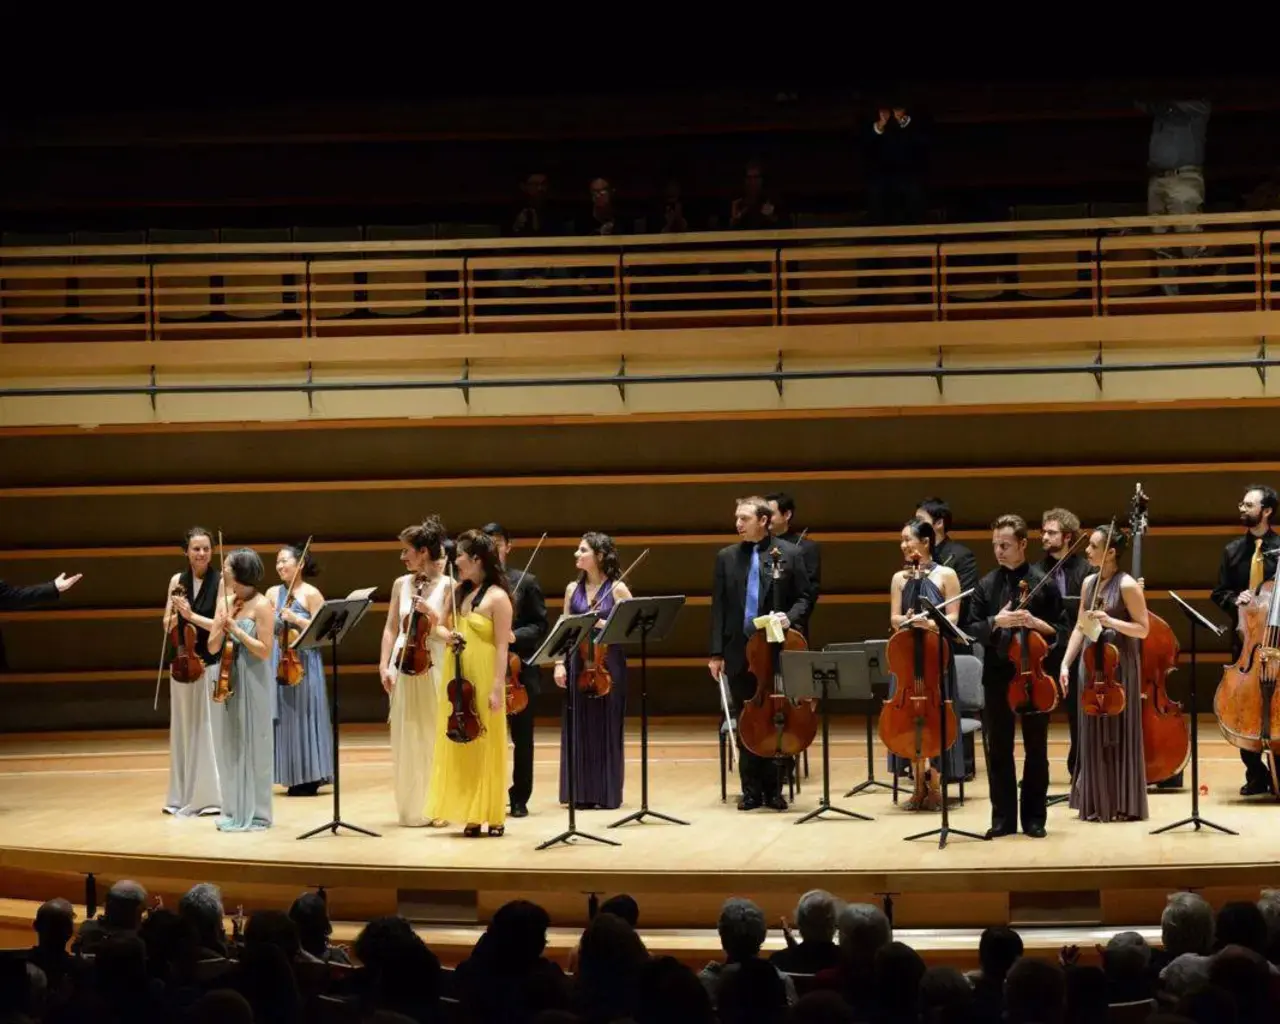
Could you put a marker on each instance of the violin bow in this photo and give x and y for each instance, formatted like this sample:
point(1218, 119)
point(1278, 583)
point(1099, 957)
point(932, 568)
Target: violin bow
point(921, 616)
point(164, 644)
point(1083, 538)
point(302, 561)
point(1097, 586)
point(613, 583)
point(527, 566)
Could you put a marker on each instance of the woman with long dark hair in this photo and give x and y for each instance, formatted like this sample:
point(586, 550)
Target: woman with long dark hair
point(597, 718)
point(304, 736)
point(469, 780)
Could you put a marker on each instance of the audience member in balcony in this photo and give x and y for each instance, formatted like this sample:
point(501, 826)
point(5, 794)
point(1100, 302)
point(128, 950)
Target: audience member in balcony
point(816, 916)
point(1186, 926)
point(673, 220)
point(897, 160)
point(507, 980)
point(202, 906)
point(998, 950)
point(948, 551)
point(310, 913)
point(1175, 170)
point(604, 218)
point(534, 218)
point(610, 959)
point(755, 209)
point(121, 914)
point(670, 993)
point(1035, 993)
point(1126, 961)
point(742, 932)
point(193, 768)
point(54, 925)
point(864, 931)
point(303, 731)
point(244, 745)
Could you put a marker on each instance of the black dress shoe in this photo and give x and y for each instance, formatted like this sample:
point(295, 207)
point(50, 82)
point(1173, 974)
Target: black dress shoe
point(519, 811)
point(996, 833)
point(1034, 831)
point(1257, 787)
point(750, 803)
point(776, 803)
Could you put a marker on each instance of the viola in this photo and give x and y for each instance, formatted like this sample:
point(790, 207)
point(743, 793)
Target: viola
point(1102, 694)
point(289, 666)
point(771, 724)
point(222, 692)
point(1032, 691)
point(1245, 702)
point(517, 695)
point(1166, 732)
point(415, 655)
point(912, 720)
point(187, 666)
point(593, 677)
point(463, 723)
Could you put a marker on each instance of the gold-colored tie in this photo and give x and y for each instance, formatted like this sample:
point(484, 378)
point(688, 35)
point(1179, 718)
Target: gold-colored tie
point(1256, 566)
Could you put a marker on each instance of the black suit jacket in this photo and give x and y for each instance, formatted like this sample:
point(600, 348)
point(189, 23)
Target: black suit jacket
point(811, 552)
point(1075, 569)
point(729, 597)
point(529, 623)
point(16, 598)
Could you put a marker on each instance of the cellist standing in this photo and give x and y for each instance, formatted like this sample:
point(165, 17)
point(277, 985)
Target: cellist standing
point(992, 621)
point(1246, 562)
point(740, 593)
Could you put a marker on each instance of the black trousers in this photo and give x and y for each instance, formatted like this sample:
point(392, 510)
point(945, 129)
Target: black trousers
point(521, 729)
point(1007, 807)
point(761, 777)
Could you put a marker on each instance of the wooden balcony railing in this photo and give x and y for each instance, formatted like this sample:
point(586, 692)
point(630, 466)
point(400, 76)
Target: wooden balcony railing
point(1073, 268)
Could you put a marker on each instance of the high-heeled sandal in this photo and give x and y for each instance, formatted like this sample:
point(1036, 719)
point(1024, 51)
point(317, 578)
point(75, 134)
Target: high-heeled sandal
point(471, 831)
point(497, 830)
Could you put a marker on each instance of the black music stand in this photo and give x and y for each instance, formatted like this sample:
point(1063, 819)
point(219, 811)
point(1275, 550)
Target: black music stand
point(1196, 620)
point(330, 625)
point(948, 632)
point(813, 674)
point(561, 642)
point(641, 619)
point(873, 652)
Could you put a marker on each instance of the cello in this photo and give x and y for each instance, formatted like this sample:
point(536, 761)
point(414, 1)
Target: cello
point(593, 678)
point(912, 720)
point(1166, 733)
point(1101, 695)
point(1245, 702)
point(463, 722)
point(289, 668)
point(770, 723)
point(517, 695)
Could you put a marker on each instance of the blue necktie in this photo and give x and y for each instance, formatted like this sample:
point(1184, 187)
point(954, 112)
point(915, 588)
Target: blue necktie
point(753, 592)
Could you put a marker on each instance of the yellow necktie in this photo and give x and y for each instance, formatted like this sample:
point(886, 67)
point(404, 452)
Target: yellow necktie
point(1256, 566)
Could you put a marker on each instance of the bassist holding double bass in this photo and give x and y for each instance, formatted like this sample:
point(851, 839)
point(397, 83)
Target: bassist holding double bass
point(742, 591)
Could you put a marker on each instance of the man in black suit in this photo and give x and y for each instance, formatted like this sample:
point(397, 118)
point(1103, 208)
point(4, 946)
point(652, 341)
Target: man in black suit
point(13, 599)
point(742, 591)
point(948, 552)
point(529, 629)
point(1059, 531)
point(782, 526)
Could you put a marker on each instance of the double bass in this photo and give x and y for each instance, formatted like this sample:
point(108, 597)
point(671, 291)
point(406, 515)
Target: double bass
point(1245, 702)
point(1166, 733)
point(770, 723)
point(1102, 695)
point(463, 722)
point(912, 720)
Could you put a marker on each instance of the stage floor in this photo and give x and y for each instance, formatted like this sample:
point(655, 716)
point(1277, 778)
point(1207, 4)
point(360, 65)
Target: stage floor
point(75, 804)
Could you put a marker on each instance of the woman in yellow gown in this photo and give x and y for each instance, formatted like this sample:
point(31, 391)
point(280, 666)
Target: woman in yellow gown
point(469, 780)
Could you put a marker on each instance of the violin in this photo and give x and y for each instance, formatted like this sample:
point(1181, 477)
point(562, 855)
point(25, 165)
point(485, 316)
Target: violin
point(415, 655)
point(911, 721)
point(517, 695)
point(289, 667)
point(187, 666)
point(1166, 733)
point(1102, 695)
point(463, 723)
point(222, 691)
point(1032, 691)
point(770, 723)
point(1245, 702)
point(593, 677)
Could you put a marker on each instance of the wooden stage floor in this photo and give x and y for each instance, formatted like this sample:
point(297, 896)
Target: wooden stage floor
point(70, 805)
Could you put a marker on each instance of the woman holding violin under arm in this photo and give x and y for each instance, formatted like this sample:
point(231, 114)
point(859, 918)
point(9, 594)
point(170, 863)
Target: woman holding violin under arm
point(469, 778)
point(600, 703)
point(413, 689)
point(245, 618)
point(1110, 782)
point(304, 736)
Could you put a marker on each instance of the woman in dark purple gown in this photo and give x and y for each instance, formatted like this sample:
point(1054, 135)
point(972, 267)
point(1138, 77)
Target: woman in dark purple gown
point(598, 720)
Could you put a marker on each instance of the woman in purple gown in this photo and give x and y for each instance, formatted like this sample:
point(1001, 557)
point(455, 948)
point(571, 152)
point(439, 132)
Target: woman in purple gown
point(598, 719)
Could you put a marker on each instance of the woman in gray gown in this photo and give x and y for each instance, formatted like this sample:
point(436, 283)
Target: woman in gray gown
point(1111, 781)
point(244, 744)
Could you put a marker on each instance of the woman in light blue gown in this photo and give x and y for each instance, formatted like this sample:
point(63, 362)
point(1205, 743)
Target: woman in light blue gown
point(244, 744)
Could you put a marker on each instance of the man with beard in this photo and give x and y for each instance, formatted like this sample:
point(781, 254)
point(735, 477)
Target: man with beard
point(1059, 529)
point(1246, 562)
